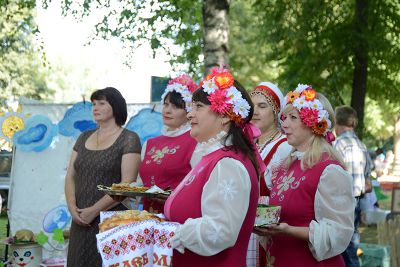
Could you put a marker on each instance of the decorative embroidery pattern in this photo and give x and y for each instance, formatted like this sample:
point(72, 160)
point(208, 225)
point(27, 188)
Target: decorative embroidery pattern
point(192, 176)
point(157, 155)
point(227, 189)
point(136, 239)
point(284, 183)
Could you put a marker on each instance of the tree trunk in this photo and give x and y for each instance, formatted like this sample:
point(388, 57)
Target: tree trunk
point(396, 147)
point(215, 33)
point(360, 63)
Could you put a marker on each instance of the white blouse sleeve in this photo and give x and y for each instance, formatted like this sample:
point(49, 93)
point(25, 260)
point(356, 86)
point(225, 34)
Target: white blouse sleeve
point(224, 205)
point(143, 152)
point(334, 205)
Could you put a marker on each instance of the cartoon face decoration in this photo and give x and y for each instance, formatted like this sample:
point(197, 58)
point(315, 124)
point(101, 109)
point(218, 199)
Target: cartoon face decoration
point(27, 256)
point(10, 123)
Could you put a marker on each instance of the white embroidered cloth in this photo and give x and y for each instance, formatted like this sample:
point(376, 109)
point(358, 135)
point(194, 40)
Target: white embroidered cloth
point(145, 244)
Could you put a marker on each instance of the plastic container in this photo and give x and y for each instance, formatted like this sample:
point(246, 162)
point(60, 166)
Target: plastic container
point(375, 255)
point(28, 255)
point(54, 262)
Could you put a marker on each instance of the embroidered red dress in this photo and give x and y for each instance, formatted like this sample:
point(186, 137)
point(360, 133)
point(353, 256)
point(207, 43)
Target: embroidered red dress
point(273, 154)
point(165, 163)
point(212, 231)
point(295, 190)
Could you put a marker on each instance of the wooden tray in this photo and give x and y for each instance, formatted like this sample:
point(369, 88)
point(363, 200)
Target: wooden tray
point(109, 191)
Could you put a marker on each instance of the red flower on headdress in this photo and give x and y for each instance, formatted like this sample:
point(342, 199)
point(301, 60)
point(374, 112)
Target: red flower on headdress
point(214, 71)
point(235, 118)
point(224, 80)
point(208, 77)
point(184, 79)
point(309, 94)
point(309, 116)
point(219, 102)
point(320, 127)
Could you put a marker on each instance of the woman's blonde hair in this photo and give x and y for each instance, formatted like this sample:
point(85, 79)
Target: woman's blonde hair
point(319, 146)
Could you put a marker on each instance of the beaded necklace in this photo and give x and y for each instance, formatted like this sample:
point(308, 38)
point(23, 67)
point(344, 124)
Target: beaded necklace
point(269, 139)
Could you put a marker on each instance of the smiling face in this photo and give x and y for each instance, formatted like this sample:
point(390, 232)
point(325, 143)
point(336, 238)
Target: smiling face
point(263, 116)
point(102, 110)
point(206, 124)
point(173, 116)
point(11, 125)
point(297, 133)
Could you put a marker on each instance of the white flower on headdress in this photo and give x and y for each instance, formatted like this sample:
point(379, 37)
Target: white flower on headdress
point(241, 108)
point(189, 106)
point(233, 94)
point(323, 114)
point(316, 104)
point(329, 124)
point(187, 96)
point(301, 87)
point(209, 86)
point(182, 90)
point(301, 102)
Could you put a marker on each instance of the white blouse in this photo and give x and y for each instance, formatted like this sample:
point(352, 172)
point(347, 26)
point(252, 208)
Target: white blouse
point(334, 205)
point(279, 156)
point(332, 229)
point(224, 205)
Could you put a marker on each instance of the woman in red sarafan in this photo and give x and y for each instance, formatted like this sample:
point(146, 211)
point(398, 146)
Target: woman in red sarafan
point(166, 159)
point(273, 147)
point(216, 202)
point(312, 187)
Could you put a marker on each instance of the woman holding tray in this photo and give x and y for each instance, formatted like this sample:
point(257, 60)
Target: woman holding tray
point(166, 159)
point(109, 154)
point(312, 188)
point(216, 202)
point(273, 147)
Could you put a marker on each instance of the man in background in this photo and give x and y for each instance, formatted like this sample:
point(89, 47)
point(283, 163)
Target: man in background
point(358, 164)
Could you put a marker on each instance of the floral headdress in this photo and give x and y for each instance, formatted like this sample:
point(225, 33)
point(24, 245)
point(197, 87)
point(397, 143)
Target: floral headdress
point(312, 112)
point(183, 85)
point(224, 97)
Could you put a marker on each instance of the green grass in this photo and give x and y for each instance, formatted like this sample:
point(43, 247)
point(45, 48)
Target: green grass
point(369, 233)
point(3, 233)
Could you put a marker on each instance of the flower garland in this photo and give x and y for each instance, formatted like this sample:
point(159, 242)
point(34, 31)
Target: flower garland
point(224, 97)
point(312, 112)
point(183, 85)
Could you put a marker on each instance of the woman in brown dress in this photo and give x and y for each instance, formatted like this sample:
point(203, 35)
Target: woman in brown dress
point(109, 154)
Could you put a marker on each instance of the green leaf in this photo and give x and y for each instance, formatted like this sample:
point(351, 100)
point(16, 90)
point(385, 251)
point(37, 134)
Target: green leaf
point(42, 238)
point(58, 235)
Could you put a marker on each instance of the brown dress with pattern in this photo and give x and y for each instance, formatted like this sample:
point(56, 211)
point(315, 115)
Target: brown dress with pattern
point(93, 167)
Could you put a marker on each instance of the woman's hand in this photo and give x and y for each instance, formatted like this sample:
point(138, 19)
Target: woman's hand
point(117, 198)
point(299, 232)
point(161, 198)
point(281, 228)
point(75, 217)
point(87, 215)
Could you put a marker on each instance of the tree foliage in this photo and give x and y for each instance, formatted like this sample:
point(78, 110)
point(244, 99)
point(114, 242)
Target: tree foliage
point(316, 42)
point(284, 41)
point(21, 66)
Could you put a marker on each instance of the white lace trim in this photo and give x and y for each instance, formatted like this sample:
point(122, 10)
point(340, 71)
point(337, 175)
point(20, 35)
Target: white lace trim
point(213, 144)
point(175, 132)
point(297, 154)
